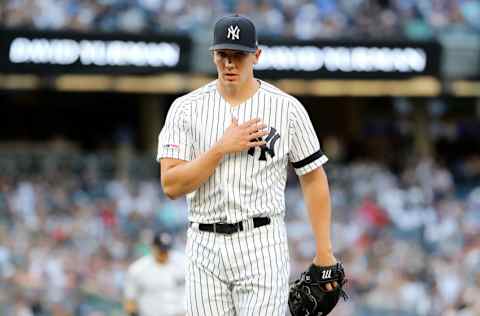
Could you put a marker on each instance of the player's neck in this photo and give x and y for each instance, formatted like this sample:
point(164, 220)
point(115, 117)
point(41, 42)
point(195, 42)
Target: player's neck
point(236, 95)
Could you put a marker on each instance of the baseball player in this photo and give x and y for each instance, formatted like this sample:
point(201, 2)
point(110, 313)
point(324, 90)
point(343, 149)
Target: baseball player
point(154, 283)
point(226, 146)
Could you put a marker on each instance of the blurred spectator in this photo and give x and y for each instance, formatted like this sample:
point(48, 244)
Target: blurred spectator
point(68, 232)
point(303, 19)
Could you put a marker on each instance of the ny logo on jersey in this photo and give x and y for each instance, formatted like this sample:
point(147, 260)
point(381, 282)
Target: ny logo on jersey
point(268, 148)
point(233, 32)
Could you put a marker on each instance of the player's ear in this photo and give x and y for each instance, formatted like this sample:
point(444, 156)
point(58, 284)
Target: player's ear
point(258, 52)
point(214, 56)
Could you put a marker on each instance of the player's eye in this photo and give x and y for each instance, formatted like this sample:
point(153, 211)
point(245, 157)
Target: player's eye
point(240, 54)
point(234, 55)
point(221, 54)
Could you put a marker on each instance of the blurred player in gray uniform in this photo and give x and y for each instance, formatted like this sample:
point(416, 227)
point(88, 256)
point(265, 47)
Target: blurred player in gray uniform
point(227, 146)
point(155, 283)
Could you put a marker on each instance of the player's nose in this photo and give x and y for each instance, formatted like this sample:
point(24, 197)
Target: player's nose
point(228, 61)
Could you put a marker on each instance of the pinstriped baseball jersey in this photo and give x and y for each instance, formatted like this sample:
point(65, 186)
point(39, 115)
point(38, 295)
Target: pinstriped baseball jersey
point(249, 183)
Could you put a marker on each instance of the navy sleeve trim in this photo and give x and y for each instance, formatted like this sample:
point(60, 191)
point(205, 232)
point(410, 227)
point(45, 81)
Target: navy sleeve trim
point(309, 159)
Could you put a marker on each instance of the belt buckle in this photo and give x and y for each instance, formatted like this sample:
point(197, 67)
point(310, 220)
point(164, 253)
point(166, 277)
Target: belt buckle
point(237, 227)
point(233, 228)
point(215, 228)
point(229, 228)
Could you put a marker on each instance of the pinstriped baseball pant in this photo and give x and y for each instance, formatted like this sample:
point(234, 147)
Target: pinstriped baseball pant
point(242, 274)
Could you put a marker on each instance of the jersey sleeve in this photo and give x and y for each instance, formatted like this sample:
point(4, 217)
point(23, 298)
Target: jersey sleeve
point(175, 139)
point(305, 153)
point(131, 288)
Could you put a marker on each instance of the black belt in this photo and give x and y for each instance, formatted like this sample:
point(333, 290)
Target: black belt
point(228, 229)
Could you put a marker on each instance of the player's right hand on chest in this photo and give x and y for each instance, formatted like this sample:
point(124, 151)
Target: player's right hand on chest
point(240, 137)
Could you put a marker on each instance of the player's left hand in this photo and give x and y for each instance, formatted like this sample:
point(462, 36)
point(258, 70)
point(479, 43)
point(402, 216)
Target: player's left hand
point(309, 294)
point(325, 261)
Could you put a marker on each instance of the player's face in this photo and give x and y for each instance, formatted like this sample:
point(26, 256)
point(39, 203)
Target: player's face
point(235, 67)
point(160, 255)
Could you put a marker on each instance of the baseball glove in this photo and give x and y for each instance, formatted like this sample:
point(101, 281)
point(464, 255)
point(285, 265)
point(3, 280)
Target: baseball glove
point(308, 296)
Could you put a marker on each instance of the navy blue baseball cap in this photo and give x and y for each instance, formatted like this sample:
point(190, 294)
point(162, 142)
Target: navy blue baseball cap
point(235, 32)
point(163, 241)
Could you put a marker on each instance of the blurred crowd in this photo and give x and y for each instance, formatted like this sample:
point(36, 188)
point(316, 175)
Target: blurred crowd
point(71, 223)
point(418, 19)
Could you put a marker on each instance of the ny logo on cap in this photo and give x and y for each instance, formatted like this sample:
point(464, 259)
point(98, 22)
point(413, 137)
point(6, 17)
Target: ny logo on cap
point(233, 32)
